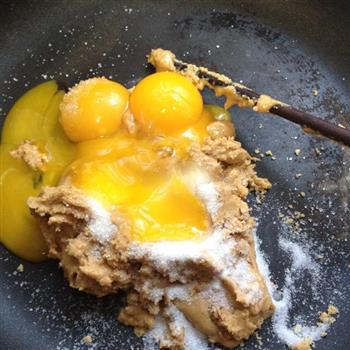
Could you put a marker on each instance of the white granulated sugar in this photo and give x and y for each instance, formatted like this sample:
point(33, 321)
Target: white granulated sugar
point(207, 192)
point(193, 339)
point(152, 338)
point(301, 263)
point(216, 293)
point(171, 258)
point(246, 281)
point(263, 264)
point(150, 291)
point(281, 322)
point(100, 224)
point(202, 185)
point(300, 257)
point(96, 252)
point(178, 291)
point(156, 294)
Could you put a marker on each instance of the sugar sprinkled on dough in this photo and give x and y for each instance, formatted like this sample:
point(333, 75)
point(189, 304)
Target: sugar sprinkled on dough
point(220, 250)
point(193, 339)
point(101, 225)
point(168, 256)
point(208, 194)
point(201, 184)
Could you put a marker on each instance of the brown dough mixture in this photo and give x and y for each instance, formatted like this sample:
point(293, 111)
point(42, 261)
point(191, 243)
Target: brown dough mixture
point(31, 155)
point(104, 268)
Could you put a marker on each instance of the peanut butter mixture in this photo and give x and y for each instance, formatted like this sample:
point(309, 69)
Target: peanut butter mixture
point(31, 155)
point(219, 291)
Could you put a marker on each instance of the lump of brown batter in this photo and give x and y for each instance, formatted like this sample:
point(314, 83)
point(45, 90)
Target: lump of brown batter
point(305, 344)
point(101, 268)
point(63, 214)
point(31, 155)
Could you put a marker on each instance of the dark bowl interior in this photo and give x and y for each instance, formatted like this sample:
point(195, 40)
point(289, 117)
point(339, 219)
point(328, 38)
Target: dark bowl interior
point(283, 48)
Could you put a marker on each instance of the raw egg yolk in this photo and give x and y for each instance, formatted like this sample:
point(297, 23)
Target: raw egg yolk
point(143, 186)
point(162, 218)
point(140, 175)
point(93, 109)
point(141, 179)
point(166, 102)
point(198, 132)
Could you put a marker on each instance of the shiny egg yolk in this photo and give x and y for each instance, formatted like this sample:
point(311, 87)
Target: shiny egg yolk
point(198, 131)
point(34, 117)
point(166, 102)
point(161, 217)
point(138, 178)
point(143, 188)
point(93, 108)
point(136, 174)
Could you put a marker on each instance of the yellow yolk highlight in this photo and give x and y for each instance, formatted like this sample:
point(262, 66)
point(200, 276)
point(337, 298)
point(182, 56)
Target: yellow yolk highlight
point(156, 201)
point(115, 181)
point(93, 108)
point(140, 177)
point(166, 102)
point(33, 117)
point(132, 175)
point(198, 132)
point(171, 213)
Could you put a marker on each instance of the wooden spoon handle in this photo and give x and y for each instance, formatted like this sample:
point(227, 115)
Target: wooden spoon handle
point(166, 60)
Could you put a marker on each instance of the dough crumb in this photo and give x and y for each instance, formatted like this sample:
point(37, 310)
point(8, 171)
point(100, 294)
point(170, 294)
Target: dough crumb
point(258, 338)
point(297, 328)
point(265, 103)
point(163, 60)
point(305, 344)
point(31, 155)
point(333, 310)
point(129, 122)
point(327, 316)
point(87, 340)
point(20, 268)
